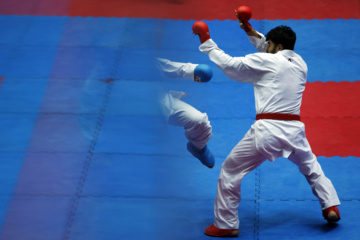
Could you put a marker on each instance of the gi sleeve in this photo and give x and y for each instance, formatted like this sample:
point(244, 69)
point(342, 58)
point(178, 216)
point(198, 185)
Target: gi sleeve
point(242, 69)
point(259, 43)
point(176, 69)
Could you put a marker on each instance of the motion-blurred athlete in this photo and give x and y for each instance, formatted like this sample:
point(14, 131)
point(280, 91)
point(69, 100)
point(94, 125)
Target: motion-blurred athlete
point(179, 113)
point(279, 76)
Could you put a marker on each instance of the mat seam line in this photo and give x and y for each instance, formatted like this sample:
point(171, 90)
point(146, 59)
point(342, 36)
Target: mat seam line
point(257, 204)
point(91, 150)
point(257, 182)
point(87, 164)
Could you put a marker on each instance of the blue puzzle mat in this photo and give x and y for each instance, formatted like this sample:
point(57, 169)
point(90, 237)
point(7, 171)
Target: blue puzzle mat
point(85, 152)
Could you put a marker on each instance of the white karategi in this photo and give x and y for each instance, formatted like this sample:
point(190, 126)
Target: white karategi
point(279, 81)
point(177, 112)
point(176, 69)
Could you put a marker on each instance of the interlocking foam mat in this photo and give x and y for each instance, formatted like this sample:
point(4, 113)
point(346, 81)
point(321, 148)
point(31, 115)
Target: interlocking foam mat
point(86, 154)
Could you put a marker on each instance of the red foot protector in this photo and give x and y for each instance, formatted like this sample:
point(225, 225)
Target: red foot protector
point(332, 219)
point(218, 232)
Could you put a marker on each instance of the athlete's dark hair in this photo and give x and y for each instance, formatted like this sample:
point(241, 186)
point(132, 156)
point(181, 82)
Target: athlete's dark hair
point(282, 35)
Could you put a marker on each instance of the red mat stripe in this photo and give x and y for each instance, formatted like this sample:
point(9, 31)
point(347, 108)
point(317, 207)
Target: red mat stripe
point(185, 9)
point(331, 99)
point(331, 113)
point(214, 9)
point(333, 136)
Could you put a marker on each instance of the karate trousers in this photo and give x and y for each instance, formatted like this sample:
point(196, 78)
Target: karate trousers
point(248, 154)
point(179, 113)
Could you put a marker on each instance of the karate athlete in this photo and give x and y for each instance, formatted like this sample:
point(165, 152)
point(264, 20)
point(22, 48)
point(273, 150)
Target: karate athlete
point(279, 76)
point(178, 113)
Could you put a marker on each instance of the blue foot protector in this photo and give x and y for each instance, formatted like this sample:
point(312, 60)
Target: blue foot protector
point(204, 155)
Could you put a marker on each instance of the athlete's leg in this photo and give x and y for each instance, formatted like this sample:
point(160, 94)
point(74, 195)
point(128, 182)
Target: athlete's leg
point(196, 124)
point(242, 159)
point(321, 186)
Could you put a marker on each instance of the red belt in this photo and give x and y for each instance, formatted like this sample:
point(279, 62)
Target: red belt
point(278, 116)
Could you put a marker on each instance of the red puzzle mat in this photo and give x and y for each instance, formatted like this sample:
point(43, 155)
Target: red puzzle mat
point(184, 9)
point(331, 113)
